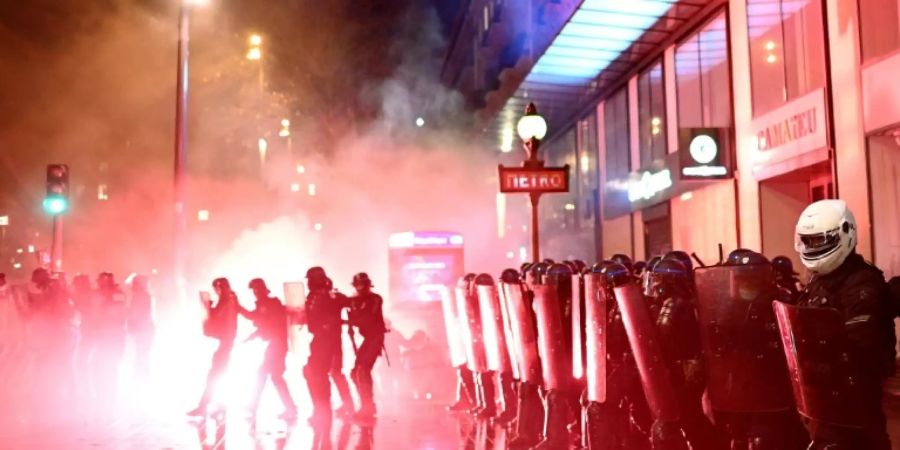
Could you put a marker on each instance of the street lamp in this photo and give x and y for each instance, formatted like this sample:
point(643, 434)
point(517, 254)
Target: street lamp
point(532, 128)
point(181, 124)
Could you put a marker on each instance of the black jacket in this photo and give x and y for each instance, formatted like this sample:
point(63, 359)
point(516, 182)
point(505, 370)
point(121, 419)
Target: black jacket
point(858, 290)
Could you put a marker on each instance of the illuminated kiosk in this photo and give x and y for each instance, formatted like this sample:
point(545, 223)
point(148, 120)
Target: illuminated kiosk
point(423, 268)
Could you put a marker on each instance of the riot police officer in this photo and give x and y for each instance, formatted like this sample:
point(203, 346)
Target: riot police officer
point(826, 237)
point(366, 315)
point(271, 320)
point(140, 323)
point(111, 328)
point(323, 316)
point(786, 277)
point(747, 384)
point(672, 305)
point(221, 325)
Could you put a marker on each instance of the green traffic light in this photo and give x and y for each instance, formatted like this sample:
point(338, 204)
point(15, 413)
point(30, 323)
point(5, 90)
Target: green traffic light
point(55, 205)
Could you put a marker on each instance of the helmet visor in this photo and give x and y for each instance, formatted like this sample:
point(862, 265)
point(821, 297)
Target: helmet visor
point(819, 244)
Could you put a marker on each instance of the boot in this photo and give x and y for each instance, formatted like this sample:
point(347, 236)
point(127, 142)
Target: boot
point(530, 417)
point(508, 398)
point(556, 435)
point(667, 435)
point(489, 396)
point(465, 392)
point(480, 403)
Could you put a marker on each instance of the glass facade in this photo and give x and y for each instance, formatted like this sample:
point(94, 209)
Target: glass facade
point(787, 51)
point(703, 77)
point(615, 121)
point(879, 27)
point(652, 114)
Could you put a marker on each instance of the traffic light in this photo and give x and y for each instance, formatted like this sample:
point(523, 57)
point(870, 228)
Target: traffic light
point(57, 199)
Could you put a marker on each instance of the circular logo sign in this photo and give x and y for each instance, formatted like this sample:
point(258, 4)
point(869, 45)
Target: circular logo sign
point(703, 149)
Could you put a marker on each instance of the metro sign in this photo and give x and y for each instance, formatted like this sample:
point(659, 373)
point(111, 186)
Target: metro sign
point(537, 180)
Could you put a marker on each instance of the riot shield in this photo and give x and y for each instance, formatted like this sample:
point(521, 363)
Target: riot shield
point(745, 362)
point(452, 327)
point(596, 313)
point(555, 365)
point(510, 344)
point(642, 336)
point(524, 331)
point(822, 370)
point(492, 325)
point(470, 327)
point(577, 327)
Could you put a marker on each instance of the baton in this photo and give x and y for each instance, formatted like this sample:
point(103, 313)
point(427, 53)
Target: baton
point(387, 358)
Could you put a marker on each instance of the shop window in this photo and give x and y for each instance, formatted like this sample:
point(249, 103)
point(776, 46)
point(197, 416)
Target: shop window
point(884, 170)
point(652, 114)
point(879, 27)
point(615, 119)
point(586, 172)
point(702, 75)
point(787, 51)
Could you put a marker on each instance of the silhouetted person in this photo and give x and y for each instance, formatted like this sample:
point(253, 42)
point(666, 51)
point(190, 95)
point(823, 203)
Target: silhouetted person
point(271, 320)
point(221, 325)
point(110, 328)
point(323, 316)
point(140, 323)
point(366, 315)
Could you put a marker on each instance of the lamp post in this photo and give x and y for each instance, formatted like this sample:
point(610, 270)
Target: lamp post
point(285, 132)
point(181, 125)
point(532, 128)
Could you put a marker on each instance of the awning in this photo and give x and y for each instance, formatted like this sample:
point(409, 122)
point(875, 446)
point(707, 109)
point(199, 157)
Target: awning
point(602, 41)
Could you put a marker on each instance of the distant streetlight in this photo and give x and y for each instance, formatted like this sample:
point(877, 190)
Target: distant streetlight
point(295, 187)
point(203, 215)
point(420, 122)
point(301, 169)
point(254, 53)
point(263, 148)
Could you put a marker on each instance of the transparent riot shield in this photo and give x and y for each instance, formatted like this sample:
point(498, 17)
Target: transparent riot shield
point(745, 361)
point(822, 369)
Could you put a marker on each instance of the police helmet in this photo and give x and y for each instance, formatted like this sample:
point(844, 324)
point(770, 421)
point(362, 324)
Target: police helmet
point(681, 257)
point(623, 259)
point(362, 280)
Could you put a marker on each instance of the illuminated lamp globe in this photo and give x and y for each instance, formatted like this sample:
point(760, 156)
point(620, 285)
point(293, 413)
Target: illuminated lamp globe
point(531, 125)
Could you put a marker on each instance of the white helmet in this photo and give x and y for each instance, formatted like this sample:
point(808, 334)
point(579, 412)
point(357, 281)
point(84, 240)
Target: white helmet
point(825, 235)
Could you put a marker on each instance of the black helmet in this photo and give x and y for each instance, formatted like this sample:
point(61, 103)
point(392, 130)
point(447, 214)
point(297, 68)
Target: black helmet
point(559, 273)
point(624, 260)
point(106, 280)
point(221, 283)
point(362, 279)
point(652, 262)
point(616, 274)
point(40, 276)
point(484, 280)
point(681, 257)
point(510, 276)
point(639, 267)
point(315, 272)
point(548, 261)
point(668, 274)
point(743, 257)
point(580, 266)
point(316, 279)
point(784, 266)
point(257, 284)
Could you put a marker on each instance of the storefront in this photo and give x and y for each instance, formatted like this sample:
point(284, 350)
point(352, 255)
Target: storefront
point(792, 158)
point(880, 49)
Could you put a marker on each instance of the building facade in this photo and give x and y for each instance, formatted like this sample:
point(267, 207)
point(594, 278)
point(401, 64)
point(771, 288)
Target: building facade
point(718, 123)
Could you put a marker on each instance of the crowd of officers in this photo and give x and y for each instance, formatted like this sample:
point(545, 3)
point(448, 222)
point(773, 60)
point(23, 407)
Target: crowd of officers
point(76, 333)
point(663, 355)
point(322, 313)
